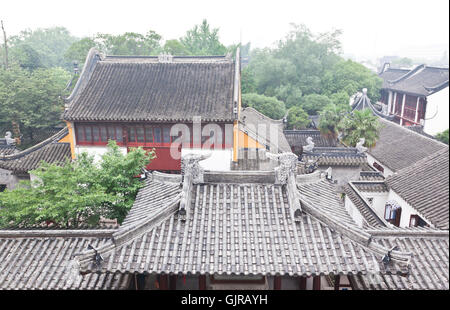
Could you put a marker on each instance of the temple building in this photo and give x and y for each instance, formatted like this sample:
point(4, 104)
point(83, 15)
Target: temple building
point(175, 105)
point(417, 97)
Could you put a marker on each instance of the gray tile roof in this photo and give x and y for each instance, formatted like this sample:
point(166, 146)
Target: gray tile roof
point(425, 186)
point(242, 228)
point(392, 74)
point(371, 176)
point(335, 156)
point(422, 80)
point(297, 138)
point(48, 150)
point(370, 217)
point(429, 263)
point(272, 136)
point(35, 259)
point(398, 147)
point(123, 88)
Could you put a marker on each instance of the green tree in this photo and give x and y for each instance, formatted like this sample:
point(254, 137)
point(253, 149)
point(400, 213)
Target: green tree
point(443, 136)
point(174, 47)
point(269, 106)
point(297, 118)
point(32, 98)
point(314, 103)
point(360, 124)
point(349, 77)
point(130, 43)
point(76, 193)
point(49, 45)
point(78, 51)
point(330, 117)
point(202, 40)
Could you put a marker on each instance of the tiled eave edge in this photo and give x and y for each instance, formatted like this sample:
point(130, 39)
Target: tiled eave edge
point(367, 205)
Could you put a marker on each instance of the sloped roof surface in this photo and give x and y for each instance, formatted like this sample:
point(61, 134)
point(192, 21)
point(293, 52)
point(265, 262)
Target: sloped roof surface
point(298, 138)
point(398, 147)
point(48, 150)
point(429, 262)
point(45, 260)
point(422, 80)
point(425, 186)
point(144, 89)
point(264, 129)
point(241, 228)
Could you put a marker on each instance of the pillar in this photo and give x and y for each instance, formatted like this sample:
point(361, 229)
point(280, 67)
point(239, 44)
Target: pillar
point(277, 283)
point(316, 283)
point(337, 280)
point(202, 282)
point(403, 109)
point(302, 284)
point(417, 110)
point(163, 279)
point(173, 282)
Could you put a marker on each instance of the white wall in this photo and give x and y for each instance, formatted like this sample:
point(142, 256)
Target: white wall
point(379, 201)
point(370, 159)
point(220, 160)
point(353, 212)
point(407, 210)
point(96, 151)
point(436, 115)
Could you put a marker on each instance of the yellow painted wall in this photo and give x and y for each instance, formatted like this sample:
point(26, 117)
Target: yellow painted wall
point(70, 138)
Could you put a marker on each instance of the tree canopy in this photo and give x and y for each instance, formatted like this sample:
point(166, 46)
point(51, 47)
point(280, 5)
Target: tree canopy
point(32, 99)
point(297, 118)
point(443, 136)
point(306, 70)
point(269, 106)
point(77, 193)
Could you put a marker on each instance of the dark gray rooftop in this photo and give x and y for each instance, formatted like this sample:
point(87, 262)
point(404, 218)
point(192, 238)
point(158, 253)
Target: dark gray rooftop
point(121, 88)
point(425, 186)
point(422, 80)
point(399, 147)
point(49, 150)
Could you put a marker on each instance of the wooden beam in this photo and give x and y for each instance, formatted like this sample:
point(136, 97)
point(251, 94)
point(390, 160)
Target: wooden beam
point(202, 282)
point(302, 285)
point(337, 280)
point(277, 283)
point(163, 281)
point(316, 283)
point(173, 282)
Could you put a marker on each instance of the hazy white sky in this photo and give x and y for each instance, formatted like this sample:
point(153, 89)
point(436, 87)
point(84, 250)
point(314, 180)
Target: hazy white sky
point(412, 28)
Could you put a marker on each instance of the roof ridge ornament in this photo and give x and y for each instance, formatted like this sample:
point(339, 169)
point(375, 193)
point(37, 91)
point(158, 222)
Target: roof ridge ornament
point(360, 146)
point(310, 145)
point(287, 167)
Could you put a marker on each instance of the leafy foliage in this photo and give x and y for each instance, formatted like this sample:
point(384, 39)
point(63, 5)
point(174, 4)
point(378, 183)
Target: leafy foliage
point(314, 103)
point(43, 47)
point(76, 193)
point(297, 118)
point(305, 64)
point(32, 98)
point(360, 124)
point(269, 106)
point(443, 136)
point(202, 40)
point(330, 118)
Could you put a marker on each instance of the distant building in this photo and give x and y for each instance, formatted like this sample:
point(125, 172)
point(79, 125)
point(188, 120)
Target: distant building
point(417, 97)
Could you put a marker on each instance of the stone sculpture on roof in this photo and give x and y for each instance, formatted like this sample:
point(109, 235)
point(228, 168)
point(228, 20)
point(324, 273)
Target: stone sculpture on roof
point(310, 145)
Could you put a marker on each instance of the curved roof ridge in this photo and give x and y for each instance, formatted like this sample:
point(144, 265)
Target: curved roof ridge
point(262, 115)
point(408, 74)
point(355, 234)
point(57, 136)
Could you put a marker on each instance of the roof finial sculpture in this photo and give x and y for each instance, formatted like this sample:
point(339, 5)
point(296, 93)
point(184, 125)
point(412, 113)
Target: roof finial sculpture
point(360, 146)
point(287, 167)
point(190, 166)
point(310, 145)
point(9, 140)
